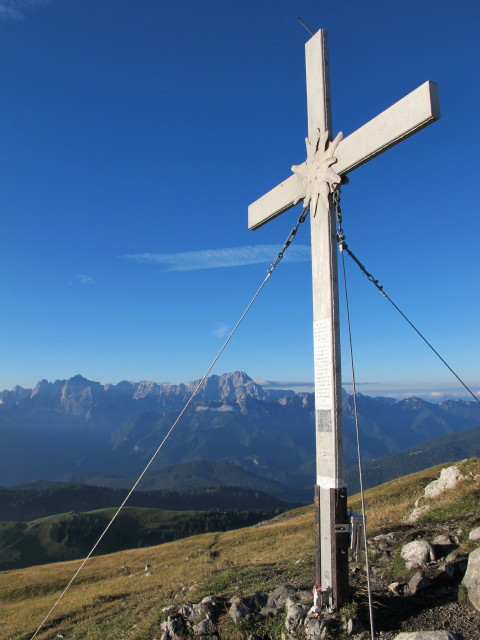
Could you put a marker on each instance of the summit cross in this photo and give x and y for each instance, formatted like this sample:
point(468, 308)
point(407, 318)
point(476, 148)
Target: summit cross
point(313, 182)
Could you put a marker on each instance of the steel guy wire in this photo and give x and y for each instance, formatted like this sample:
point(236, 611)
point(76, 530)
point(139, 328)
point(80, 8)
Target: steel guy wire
point(279, 257)
point(344, 247)
point(336, 200)
point(359, 455)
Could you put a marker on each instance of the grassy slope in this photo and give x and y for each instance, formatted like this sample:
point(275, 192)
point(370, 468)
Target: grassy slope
point(106, 602)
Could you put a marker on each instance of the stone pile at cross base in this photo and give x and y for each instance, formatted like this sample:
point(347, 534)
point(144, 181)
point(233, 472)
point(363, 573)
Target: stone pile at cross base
point(438, 570)
point(200, 620)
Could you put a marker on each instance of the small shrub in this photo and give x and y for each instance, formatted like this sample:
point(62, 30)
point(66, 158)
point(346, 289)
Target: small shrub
point(350, 609)
point(396, 571)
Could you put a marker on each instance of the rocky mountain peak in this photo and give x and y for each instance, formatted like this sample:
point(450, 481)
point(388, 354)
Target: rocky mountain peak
point(229, 387)
point(78, 379)
point(42, 388)
point(414, 402)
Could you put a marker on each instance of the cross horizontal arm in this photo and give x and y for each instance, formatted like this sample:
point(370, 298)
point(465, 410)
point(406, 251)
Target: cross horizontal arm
point(418, 109)
point(273, 203)
point(415, 111)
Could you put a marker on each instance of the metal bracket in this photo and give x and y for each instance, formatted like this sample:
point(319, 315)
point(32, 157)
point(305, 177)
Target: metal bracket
point(342, 528)
point(357, 537)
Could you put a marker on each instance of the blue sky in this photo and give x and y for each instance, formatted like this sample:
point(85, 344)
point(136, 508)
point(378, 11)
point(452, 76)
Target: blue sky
point(133, 136)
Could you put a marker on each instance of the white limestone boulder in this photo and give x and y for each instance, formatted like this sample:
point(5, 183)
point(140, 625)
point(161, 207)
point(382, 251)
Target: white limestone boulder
point(174, 626)
point(471, 579)
point(449, 478)
point(442, 541)
point(239, 611)
point(205, 628)
point(417, 512)
point(315, 629)
point(474, 534)
point(418, 582)
point(296, 614)
point(277, 599)
point(417, 554)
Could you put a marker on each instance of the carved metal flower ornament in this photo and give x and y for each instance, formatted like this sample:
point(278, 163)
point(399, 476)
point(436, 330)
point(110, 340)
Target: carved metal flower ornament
point(316, 176)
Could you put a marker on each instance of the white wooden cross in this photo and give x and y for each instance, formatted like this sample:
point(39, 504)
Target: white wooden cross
point(312, 182)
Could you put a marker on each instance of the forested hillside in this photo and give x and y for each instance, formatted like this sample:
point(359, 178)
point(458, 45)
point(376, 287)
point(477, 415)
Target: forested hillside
point(21, 505)
point(72, 535)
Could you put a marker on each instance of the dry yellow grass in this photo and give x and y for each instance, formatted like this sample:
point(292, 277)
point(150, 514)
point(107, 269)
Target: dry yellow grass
point(106, 602)
point(104, 590)
point(389, 503)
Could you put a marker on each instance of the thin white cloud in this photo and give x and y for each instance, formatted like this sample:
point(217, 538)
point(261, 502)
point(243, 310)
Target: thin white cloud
point(221, 331)
point(218, 258)
point(84, 279)
point(15, 9)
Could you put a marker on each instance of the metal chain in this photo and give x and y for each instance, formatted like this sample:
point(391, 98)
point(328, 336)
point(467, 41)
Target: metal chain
point(344, 247)
point(289, 240)
point(338, 214)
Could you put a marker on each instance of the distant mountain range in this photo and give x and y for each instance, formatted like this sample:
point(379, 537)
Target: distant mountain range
point(77, 426)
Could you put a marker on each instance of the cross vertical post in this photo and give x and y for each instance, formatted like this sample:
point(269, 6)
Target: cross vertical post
point(331, 559)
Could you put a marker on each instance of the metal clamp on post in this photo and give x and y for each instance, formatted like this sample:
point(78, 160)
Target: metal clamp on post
point(357, 535)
